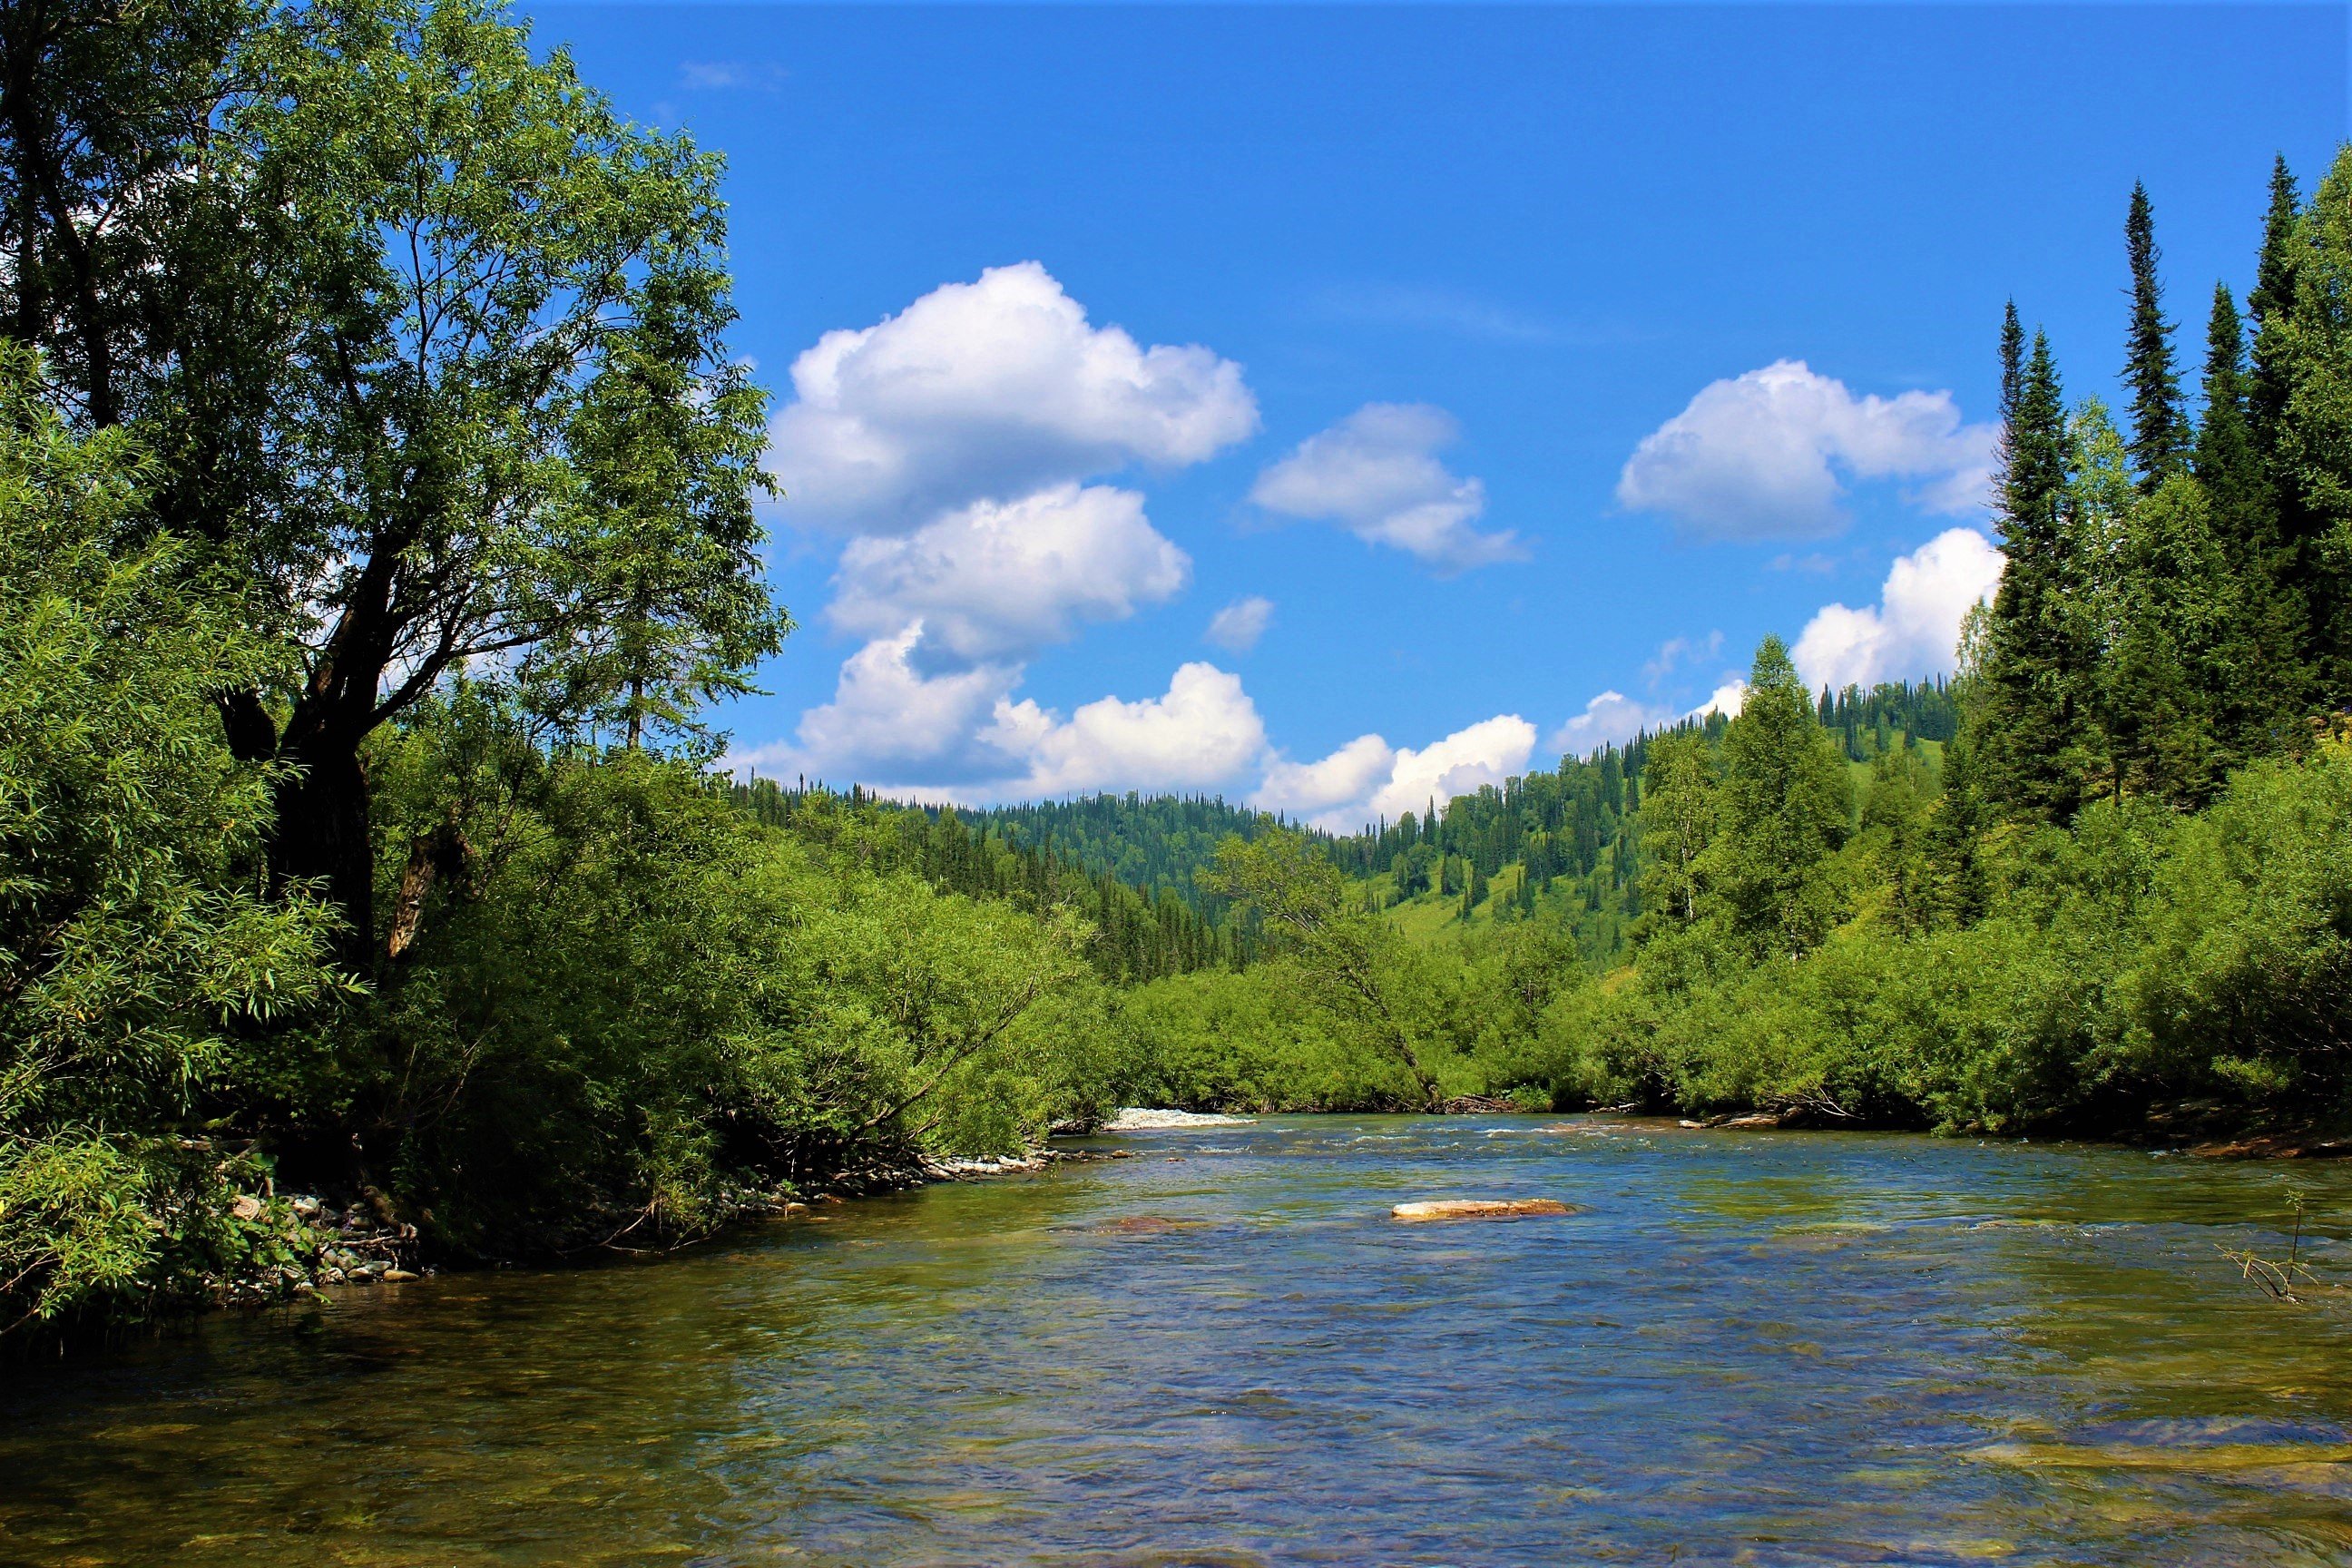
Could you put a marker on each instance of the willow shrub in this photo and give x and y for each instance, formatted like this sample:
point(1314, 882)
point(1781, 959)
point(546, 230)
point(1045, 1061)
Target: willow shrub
point(630, 1006)
point(136, 944)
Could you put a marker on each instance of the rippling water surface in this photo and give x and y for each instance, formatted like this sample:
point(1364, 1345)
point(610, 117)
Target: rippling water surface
point(1750, 1348)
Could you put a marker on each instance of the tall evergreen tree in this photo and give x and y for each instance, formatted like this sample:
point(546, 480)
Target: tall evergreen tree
point(2033, 708)
point(2268, 304)
point(2223, 457)
point(2012, 362)
point(2263, 682)
point(1786, 805)
point(2312, 434)
point(2159, 441)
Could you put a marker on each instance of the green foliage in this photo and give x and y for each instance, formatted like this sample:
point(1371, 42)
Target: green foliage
point(428, 341)
point(635, 1003)
point(135, 945)
point(1785, 805)
point(1344, 957)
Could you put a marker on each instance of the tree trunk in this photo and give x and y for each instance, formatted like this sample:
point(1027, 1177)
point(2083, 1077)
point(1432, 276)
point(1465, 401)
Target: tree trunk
point(321, 836)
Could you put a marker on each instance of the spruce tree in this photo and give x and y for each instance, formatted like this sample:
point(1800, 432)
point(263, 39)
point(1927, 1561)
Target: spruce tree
point(1786, 806)
point(2268, 304)
point(2312, 436)
point(2223, 457)
point(2171, 664)
point(2160, 429)
point(2012, 362)
point(2033, 704)
point(2262, 691)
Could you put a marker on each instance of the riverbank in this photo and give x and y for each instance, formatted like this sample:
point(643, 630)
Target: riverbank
point(299, 1245)
point(303, 1245)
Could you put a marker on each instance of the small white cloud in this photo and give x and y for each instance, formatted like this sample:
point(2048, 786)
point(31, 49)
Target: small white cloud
point(1367, 779)
point(1610, 719)
point(1439, 309)
point(1676, 651)
point(990, 389)
point(992, 580)
point(1376, 473)
point(725, 76)
point(1237, 626)
point(1767, 455)
point(1726, 699)
point(1915, 628)
point(1203, 733)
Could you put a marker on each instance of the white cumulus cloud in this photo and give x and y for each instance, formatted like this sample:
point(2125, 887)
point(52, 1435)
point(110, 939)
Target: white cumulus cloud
point(999, 579)
point(1726, 699)
point(888, 719)
point(1767, 455)
point(1376, 473)
point(991, 389)
point(962, 736)
point(1914, 629)
point(1367, 779)
point(1610, 719)
point(1345, 778)
point(1237, 626)
point(1202, 732)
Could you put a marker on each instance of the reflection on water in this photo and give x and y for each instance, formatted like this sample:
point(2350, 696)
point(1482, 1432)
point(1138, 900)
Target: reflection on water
point(1751, 1348)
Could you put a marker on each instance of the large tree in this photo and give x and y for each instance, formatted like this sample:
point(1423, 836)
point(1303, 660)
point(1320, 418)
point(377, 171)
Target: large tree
point(2312, 438)
point(2160, 443)
point(2033, 708)
point(430, 343)
point(1786, 803)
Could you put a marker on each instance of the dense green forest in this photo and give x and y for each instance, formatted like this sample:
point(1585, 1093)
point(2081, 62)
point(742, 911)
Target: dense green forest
point(2101, 879)
point(377, 533)
point(1140, 927)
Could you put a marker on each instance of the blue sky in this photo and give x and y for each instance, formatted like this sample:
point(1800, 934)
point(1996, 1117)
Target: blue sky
point(1511, 357)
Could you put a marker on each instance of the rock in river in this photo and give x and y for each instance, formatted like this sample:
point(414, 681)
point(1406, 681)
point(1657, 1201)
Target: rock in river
point(1479, 1208)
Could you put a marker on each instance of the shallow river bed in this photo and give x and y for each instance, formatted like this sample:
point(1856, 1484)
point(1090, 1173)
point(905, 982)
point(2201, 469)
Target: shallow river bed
point(1751, 1348)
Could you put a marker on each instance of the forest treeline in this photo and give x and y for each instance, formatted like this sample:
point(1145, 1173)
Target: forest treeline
point(2101, 878)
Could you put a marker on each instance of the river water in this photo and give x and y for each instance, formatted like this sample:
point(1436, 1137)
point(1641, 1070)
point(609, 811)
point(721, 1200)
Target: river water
point(1749, 1348)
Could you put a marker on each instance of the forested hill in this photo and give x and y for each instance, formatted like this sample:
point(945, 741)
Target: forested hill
point(1151, 842)
point(1565, 841)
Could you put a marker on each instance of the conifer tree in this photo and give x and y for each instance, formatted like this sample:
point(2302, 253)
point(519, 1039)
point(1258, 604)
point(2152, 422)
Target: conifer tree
point(2012, 364)
point(2224, 458)
point(2264, 680)
point(2175, 652)
point(2268, 304)
point(1786, 805)
point(2160, 429)
point(2312, 440)
point(2033, 702)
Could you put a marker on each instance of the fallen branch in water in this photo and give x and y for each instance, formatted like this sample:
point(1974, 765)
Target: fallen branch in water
point(2277, 1278)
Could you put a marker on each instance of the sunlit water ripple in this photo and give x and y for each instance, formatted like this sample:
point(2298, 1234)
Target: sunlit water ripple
point(1749, 1348)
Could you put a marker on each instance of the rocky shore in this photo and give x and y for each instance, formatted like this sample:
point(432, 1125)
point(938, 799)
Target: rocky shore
point(298, 1244)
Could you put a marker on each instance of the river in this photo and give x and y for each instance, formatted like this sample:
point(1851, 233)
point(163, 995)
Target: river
point(1749, 1348)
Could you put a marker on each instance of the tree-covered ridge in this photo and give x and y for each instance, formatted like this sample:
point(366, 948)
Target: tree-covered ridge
point(1154, 842)
point(1140, 930)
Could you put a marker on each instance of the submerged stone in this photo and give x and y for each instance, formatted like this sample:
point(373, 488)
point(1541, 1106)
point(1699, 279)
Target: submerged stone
point(1480, 1208)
